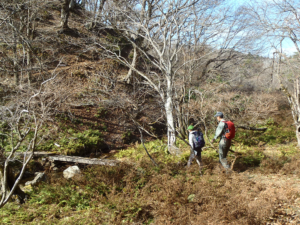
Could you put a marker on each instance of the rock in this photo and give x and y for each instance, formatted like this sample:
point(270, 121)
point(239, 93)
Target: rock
point(27, 189)
point(175, 151)
point(54, 168)
point(38, 178)
point(44, 161)
point(71, 172)
point(191, 197)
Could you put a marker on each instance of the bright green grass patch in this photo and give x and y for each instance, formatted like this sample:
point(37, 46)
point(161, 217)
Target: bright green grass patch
point(272, 136)
point(75, 143)
point(158, 149)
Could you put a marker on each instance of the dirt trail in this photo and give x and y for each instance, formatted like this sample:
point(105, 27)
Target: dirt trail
point(285, 212)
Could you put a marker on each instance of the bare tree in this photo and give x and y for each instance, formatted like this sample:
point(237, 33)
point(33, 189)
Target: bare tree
point(22, 121)
point(278, 22)
point(18, 38)
point(159, 32)
point(164, 34)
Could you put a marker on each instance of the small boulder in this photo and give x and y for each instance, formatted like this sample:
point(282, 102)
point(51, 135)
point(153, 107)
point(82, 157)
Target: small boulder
point(71, 172)
point(27, 189)
point(191, 197)
point(38, 178)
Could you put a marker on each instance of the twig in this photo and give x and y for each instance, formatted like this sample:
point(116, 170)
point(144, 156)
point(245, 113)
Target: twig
point(139, 126)
point(232, 164)
point(146, 148)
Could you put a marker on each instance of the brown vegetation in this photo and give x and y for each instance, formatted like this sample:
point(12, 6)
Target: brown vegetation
point(96, 92)
point(169, 195)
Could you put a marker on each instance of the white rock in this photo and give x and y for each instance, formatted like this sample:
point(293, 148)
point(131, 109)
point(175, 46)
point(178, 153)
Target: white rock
point(71, 172)
point(38, 178)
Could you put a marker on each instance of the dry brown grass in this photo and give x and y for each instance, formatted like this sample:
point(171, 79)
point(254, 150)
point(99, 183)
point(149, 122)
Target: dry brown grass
point(169, 195)
point(293, 167)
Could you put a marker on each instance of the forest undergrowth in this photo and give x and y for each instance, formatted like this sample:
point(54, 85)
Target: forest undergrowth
point(137, 192)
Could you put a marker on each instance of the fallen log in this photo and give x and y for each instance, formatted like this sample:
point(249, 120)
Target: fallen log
point(83, 160)
point(81, 105)
point(36, 154)
point(252, 128)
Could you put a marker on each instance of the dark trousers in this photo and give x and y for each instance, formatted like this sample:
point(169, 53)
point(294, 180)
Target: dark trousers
point(195, 154)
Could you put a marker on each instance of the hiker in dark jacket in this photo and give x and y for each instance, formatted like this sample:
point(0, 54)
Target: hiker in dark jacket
point(224, 143)
point(195, 152)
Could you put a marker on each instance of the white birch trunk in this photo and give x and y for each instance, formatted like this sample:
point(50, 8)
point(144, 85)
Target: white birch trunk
point(298, 134)
point(297, 109)
point(170, 119)
point(133, 64)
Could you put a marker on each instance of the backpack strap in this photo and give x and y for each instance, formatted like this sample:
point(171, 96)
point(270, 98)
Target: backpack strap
point(224, 121)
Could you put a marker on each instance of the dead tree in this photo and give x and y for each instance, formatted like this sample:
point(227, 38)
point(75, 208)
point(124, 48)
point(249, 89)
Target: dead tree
point(65, 13)
point(22, 120)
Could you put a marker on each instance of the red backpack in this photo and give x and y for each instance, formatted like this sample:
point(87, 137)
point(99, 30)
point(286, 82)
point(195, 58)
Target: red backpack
point(229, 130)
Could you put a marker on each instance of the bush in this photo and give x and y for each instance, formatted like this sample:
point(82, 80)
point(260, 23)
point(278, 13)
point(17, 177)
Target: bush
point(80, 143)
point(274, 135)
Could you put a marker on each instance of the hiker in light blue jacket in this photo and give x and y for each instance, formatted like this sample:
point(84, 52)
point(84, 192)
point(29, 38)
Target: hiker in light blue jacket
point(224, 143)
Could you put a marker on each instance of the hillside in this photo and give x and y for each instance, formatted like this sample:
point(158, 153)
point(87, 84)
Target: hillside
point(99, 88)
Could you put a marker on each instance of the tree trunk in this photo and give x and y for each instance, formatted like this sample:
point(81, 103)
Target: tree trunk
point(182, 124)
point(4, 184)
point(101, 6)
point(15, 66)
point(133, 64)
point(83, 4)
point(138, 41)
point(29, 67)
point(296, 106)
point(8, 183)
point(29, 32)
point(170, 119)
point(65, 12)
point(298, 134)
point(72, 4)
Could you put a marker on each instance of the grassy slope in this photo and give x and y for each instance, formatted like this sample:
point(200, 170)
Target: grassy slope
point(139, 193)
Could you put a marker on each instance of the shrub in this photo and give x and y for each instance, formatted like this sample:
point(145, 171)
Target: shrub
point(80, 143)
